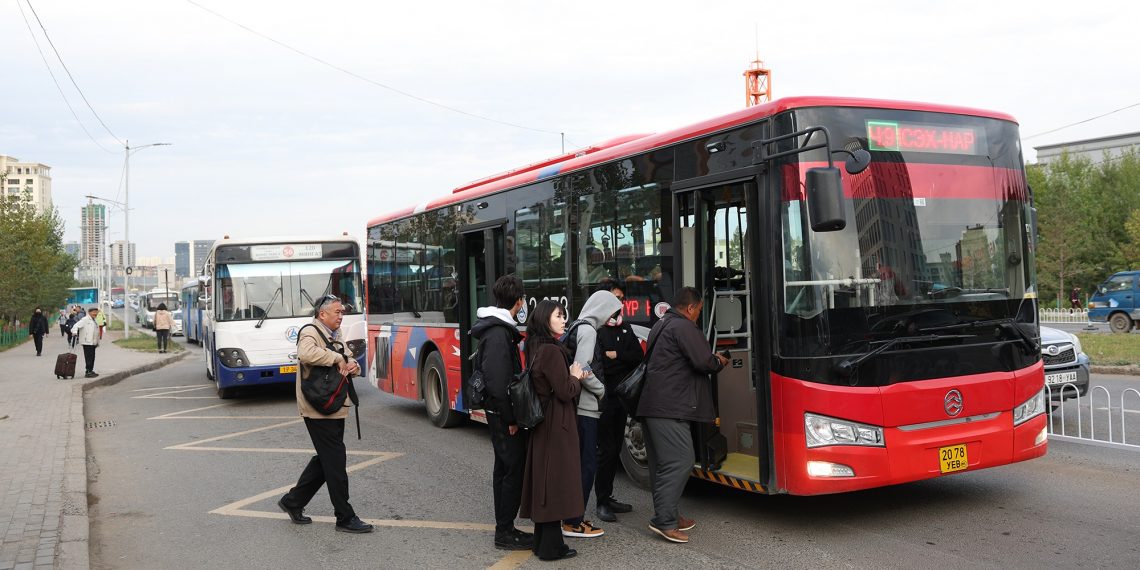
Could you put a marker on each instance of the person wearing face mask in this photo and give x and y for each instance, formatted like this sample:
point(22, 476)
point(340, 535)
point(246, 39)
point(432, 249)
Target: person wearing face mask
point(37, 328)
point(622, 353)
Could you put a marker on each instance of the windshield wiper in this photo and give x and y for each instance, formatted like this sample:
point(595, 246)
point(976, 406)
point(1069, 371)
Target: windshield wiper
point(955, 291)
point(1007, 325)
point(307, 297)
point(848, 366)
point(267, 309)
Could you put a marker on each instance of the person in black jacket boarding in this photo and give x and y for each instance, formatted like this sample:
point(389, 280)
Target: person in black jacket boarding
point(498, 358)
point(621, 353)
point(677, 392)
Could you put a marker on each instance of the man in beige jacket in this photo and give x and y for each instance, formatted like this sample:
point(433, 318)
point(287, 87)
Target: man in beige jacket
point(329, 465)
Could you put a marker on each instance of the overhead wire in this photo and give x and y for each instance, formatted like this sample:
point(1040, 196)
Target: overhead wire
point(69, 76)
point(36, 41)
point(1081, 122)
point(367, 79)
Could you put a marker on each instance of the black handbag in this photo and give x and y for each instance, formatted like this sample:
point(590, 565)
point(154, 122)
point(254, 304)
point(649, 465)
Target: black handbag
point(524, 401)
point(629, 389)
point(325, 388)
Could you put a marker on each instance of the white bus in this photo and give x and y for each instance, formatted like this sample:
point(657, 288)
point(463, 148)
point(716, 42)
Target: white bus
point(258, 293)
point(149, 302)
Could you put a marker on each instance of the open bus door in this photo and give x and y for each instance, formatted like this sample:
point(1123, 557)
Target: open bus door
point(482, 250)
point(714, 257)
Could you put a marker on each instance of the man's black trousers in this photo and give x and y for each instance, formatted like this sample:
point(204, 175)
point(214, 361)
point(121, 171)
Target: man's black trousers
point(89, 357)
point(507, 476)
point(611, 438)
point(327, 467)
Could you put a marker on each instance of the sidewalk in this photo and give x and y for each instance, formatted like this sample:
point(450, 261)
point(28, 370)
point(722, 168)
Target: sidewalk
point(43, 451)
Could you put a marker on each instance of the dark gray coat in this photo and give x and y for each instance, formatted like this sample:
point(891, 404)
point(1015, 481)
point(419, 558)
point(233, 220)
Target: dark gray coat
point(677, 384)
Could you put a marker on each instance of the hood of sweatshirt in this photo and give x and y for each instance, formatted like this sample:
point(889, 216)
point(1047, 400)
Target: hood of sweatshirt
point(599, 308)
point(493, 317)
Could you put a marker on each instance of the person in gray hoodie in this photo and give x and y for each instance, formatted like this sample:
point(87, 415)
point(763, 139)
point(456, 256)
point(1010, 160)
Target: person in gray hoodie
point(581, 338)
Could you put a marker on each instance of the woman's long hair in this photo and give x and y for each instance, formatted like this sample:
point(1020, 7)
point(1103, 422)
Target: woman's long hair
point(162, 306)
point(538, 327)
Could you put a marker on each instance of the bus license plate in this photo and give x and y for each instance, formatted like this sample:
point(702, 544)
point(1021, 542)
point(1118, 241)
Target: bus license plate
point(291, 369)
point(1059, 378)
point(952, 458)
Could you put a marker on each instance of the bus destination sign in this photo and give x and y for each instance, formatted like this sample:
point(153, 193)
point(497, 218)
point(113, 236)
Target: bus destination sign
point(913, 137)
point(285, 252)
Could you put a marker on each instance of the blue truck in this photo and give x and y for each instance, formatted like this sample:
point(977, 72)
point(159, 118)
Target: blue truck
point(1114, 302)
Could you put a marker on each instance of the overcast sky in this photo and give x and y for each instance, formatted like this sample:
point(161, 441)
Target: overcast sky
point(268, 142)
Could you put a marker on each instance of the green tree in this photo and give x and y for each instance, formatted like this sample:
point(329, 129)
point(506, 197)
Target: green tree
point(34, 268)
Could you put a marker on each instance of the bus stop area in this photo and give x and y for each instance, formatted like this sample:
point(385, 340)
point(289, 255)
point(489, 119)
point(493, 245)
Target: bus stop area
point(43, 473)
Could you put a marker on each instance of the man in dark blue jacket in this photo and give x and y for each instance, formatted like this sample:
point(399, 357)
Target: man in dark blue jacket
point(677, 391)
point(498, 358)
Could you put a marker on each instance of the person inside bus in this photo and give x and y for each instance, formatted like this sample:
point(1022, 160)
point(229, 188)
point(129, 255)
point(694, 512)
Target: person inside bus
point(581, 338)
point(499, 337)
point(552, 484)
point(596, 270)
point(329, 466)
point(622, 353)
point(677, 392)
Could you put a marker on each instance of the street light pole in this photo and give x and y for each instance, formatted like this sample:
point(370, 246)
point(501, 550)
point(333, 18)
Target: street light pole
point(127, 227)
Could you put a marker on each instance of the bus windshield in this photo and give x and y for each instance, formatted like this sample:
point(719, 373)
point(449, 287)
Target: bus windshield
point(285, 289)
point(169, 299)
point(936, 233)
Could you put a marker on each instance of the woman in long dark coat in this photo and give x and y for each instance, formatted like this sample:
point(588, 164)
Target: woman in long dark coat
point(552, 485)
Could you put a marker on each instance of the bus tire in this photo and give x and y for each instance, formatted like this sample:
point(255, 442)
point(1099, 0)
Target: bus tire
point(433, 378)
point(635, 455)
point(1120, 323)
point(225, 393)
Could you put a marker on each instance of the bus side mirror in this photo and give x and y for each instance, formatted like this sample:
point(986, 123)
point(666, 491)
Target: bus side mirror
point(826, 204)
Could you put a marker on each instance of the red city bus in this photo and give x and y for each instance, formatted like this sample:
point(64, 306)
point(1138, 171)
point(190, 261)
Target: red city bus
point(867, 264)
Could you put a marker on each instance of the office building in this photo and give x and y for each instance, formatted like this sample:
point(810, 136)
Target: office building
point(1096, 150)
point(201, 248)
point(117, 259)
point(182, 259)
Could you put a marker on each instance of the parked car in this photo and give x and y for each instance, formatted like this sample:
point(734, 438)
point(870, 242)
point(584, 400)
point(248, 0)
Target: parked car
point(117, 304)
point(1066, 364)
point(1115, 302)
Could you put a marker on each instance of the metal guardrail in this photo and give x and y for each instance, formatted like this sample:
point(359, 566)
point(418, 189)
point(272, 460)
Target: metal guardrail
point(1077, 401)
point(1079, 316)
point(12, 336)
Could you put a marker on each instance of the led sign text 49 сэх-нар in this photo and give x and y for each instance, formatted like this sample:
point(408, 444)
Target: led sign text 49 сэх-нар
point(914, 137)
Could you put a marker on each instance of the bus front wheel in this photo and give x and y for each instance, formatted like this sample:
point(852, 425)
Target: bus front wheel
point(634, 454)
point(1120, 323)
point(434, 381)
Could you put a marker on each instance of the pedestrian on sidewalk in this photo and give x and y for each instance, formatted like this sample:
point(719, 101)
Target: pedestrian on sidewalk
point(101, 320)
point(72, 318)
point(552, 482)
point(581, 339)
point(37, 328)
point(621, 351)
point(163, 322)
point(62, 323)
point(498, 360)
point(86, 333)
point(677, 393)
point(329, 465)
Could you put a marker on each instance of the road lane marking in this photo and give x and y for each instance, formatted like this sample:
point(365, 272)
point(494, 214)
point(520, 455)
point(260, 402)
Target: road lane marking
point(168, 388)
point(510, 561)
point(184, 389)
point(191, 444)
point(181, 415)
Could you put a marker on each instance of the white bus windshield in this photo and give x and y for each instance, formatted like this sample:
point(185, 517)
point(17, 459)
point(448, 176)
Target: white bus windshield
point(285, 289)
point(155, 299)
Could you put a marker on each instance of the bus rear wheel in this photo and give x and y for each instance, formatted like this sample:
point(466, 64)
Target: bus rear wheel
point(1120, 323)
point(635, 455)
point(434, 380)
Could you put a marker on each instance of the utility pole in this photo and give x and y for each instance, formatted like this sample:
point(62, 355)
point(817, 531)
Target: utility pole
point(166, 277)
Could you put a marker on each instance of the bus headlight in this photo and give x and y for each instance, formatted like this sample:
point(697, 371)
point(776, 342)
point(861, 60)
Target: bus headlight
point(1030, 408)
point(233, 357)
point(822, 431)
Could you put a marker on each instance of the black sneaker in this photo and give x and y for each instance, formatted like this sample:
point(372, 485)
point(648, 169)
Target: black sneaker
point(619, 507)
point(355, 526)
point(514, 539)
point(605, 513)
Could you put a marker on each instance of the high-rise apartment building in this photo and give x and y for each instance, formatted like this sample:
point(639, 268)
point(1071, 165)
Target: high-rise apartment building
point(93, 232)
point(72, 249)
point(201, 248)
point(117, 250)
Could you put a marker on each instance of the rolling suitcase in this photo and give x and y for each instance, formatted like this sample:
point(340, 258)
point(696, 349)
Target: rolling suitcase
point(65, 365)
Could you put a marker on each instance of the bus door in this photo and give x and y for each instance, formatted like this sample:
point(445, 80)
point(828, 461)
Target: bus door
point(714, 258)
point(482, 251)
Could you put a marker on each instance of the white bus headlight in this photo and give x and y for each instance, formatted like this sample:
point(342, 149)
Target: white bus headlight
point(822, 431)
point(1030, 408)
point(233, 357)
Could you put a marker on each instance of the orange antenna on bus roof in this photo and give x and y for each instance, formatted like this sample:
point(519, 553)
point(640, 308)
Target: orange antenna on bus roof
point(757, 80)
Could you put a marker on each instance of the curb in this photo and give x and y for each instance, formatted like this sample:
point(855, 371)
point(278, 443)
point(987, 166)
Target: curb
point(75, 525)
point(1126, 370)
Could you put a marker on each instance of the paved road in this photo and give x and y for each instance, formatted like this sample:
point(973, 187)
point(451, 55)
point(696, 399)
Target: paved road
point(184, 480)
